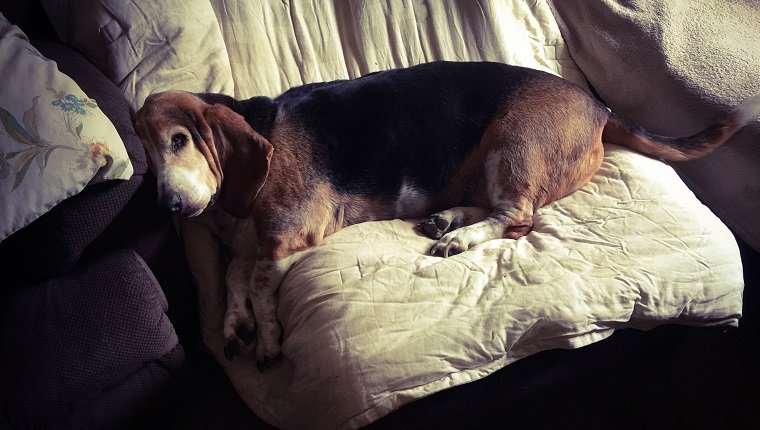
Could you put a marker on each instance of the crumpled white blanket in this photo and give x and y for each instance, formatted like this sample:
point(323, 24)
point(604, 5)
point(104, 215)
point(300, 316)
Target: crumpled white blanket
point(371, 322)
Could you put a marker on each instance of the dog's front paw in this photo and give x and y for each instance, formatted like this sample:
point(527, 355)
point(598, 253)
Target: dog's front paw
point(237, 346)
point(239, 333)
point(268, 348)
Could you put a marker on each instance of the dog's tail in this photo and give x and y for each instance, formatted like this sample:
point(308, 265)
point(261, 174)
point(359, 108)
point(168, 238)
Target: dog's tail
point(684, 148)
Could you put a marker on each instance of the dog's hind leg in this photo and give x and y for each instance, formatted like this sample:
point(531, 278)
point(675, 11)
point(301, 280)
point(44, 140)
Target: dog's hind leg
point(539, 149)
point(509, 219)
point(509, 191)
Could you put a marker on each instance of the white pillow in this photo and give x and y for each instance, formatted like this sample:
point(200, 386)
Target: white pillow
point(54, 140)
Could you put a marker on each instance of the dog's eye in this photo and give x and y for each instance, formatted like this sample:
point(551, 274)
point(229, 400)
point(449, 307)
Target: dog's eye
point(178, 141)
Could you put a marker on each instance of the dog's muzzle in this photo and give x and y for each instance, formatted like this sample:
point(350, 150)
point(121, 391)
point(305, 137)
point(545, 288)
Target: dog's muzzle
point(175, 204)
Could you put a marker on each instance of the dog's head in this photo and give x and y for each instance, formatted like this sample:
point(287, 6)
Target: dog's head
point(200, 151)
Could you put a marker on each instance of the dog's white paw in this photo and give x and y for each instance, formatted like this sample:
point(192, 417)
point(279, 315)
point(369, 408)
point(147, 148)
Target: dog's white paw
point(460, 240)
point(268, 348)
point(450, 244)
point(239, 331)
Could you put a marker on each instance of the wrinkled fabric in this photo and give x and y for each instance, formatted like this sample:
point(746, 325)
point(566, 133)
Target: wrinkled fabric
point(371, 322)
point(274, 45)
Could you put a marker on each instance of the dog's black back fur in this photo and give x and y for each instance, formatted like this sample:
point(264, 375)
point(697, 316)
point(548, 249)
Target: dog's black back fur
point(434, 110)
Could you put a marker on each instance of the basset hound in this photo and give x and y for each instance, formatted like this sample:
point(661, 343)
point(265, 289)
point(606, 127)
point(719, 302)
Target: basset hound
point(472, 148)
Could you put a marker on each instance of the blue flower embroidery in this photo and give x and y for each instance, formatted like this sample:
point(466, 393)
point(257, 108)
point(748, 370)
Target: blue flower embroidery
point(71, 104)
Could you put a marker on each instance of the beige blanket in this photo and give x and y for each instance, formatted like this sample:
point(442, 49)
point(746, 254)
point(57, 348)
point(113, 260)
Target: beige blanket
point(673, 67)
point(372, 322)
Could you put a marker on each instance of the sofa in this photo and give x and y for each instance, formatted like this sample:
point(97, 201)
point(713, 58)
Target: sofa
point(100, 324)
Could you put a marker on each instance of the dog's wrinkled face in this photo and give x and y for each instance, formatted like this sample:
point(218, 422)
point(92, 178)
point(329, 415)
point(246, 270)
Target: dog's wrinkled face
point(170, 126)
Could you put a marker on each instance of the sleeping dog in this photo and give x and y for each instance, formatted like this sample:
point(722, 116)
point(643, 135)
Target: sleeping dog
point(473, 148)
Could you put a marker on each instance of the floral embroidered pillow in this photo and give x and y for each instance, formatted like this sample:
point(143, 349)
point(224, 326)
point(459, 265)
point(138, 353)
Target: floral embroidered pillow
point(54, 140)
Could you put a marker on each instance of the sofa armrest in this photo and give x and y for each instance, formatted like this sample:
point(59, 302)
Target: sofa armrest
point(99, 332)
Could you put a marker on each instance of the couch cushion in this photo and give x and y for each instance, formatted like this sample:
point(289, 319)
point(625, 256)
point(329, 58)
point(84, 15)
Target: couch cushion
point(67, 342)
point(145, 46)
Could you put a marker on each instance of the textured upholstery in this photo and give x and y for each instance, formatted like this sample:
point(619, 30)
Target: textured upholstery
point(92, 290)
point(98, 332)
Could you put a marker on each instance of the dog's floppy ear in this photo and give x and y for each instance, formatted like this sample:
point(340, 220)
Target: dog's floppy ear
point(245, 156)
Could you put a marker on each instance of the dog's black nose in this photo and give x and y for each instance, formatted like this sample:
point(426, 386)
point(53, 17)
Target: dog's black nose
point(175, 203)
